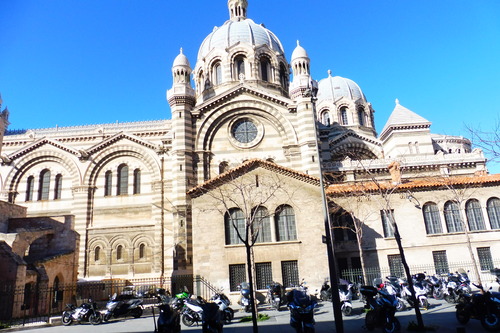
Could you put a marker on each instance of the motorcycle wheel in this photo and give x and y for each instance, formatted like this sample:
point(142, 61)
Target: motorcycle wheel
point(401, 306)
point(228, 315)
point(392, 326)
point(448, 298)
point(187, 320)
point(438, 294)
point(425, 304)
point(347, 310)
point(276, 305)
point(370, 320)
point(462, 316)
point(106, 317)
point(95, 318)
point(137, 312)
point(66, 318)
point(491, 322)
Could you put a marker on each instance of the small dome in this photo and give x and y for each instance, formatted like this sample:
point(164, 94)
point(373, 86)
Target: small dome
point(235, 31)
point(181, 60)
point(332, 88)
point(299, 52)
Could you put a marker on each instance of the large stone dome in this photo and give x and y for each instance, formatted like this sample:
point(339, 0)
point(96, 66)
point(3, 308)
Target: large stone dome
point(335, 87)
point(239, 29)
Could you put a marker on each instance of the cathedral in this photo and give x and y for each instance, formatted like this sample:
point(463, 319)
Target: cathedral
point(143, 195)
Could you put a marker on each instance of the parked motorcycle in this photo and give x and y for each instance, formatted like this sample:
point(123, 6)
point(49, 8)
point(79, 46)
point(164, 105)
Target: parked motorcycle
point(87, 312)
point(457, 285)
point(393, 285)
point(381, 309)
point(223, 303)
point(275, 295)
point(192, 311)
point(301, 311)
point(244, 289)
point(484, 306)
point(420, 291)
point(325, 293)
point(437, 286)
point(123, 305)
point(169, 317)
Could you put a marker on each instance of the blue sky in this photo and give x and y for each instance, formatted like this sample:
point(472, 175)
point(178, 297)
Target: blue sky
point(69, 62)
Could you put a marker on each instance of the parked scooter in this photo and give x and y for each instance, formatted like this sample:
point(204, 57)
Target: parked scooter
point(301, 311)
point(275, 295)
point(169, 317)
point(223, 303)
point(211, 316)
point(325, 293)
point(381, 309)
point(345, 295)
point(123, 305)
point(484, 306)
point(87, 312)
point(244, 289)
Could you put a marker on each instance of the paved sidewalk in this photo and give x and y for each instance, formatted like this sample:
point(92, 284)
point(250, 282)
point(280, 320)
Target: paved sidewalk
point(441, 315)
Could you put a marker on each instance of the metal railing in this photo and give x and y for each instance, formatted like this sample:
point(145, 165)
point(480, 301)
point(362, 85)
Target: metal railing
point(356, 275)
point(35, 304)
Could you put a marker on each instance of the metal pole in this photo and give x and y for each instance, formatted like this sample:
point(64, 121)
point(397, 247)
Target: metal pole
point(337, 313)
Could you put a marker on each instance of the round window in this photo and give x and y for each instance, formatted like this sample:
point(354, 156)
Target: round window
point(244, 130)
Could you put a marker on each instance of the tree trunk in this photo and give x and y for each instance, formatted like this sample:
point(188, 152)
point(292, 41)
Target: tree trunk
point(250, 282)
point(469, 247)
point(418, 314)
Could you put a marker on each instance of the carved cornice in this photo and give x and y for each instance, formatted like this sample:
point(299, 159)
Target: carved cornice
point(115, 138)
point(238, 90)
point(37, 144)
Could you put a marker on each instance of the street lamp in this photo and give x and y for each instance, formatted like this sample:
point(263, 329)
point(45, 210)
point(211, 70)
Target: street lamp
point(328, 239)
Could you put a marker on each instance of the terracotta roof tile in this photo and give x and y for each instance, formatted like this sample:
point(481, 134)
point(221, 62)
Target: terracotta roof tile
point(430, 183)
point(248, 166)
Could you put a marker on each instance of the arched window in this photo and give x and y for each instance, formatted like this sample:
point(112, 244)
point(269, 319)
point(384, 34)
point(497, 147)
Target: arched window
point(223, 167)
point(285, 223)
point(431, 218)
point(262, 225)
point(452, 217)
point(343, 115)
point(122, 186)
point(30, 183)
point(234, 219)
point(493, 208)
point(474, 215)
point(119, 252)
point(239, 66)
point(283, 77)
point(361, 117)
point(58, 187)
point(108, 182)
point(325, 118)
point(97, 254)
point(43, 189)
point(201, 82)
point(137, 181)
point(142, 251)
point(217, 73)
point(265, 68)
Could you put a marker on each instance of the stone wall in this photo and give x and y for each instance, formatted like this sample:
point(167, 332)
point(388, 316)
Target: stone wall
point(8, 210)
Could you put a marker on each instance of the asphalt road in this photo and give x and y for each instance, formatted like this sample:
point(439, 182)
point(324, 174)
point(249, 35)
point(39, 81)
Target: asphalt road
point(440, 316)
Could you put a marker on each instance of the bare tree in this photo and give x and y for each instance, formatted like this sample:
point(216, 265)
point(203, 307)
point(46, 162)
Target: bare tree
point(248, 194)
point(488, 141)
point(352, 207)
point(461, 190)
point(381, 192)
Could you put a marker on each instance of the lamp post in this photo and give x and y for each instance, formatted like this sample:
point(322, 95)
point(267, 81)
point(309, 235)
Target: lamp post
point(328, 239)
